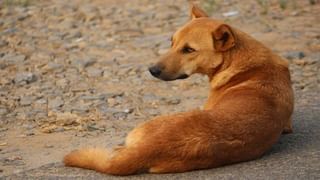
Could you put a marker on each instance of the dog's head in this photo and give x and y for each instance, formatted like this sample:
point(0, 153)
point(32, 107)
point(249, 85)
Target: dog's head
point(197, 47)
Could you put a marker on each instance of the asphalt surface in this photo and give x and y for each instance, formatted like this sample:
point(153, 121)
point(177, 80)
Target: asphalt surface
point(295, 156)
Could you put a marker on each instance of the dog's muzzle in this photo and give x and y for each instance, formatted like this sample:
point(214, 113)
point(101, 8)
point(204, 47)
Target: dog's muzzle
point(156, 71)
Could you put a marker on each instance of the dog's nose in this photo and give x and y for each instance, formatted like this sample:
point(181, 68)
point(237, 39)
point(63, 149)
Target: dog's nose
point(155, 71)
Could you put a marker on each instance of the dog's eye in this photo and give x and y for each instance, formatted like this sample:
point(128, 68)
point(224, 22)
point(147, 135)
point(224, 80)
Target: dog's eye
point(187, 50)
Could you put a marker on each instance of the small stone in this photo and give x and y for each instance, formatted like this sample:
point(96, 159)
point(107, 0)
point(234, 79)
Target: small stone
point(8, 31)
point(174, 101)
point(73, 35)
point(80, 87)
point(128, 111)
point(49, 129)
point(25, 78)
point(300, 62)
point(3, 43)
point(153, 112)
point(2, 66)
point(26, 100)
point(3, 111)
point(4, 129)
point(13, 161)
point(30, 133)
point(56, 103)
point(59, 129)
point(93, 127)
point(314, 57)
point(107, 74)
point(41, 101)
point(41, 56)
point(112, 102)
point(94, 72)
point(93, 97)
point(23, 17)
point(230, 13)
point(52, 66)
point(62, 83)
point(48, 146)
point(120, 115)
point(294, 55)
point(83, 63)
point(308, 74)
point(80, 109)
point(14, 58)
point(29, 126)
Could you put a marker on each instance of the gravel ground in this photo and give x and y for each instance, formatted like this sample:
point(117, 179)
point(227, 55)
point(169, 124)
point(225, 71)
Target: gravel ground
point(75, 73)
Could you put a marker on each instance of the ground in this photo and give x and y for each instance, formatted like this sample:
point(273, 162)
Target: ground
point(74, 74)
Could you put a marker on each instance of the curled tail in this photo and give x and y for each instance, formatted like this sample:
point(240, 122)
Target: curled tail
point(124, 161)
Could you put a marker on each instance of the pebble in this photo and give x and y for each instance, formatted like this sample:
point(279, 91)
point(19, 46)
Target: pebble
point(25, 78)
point(56, 103)
point(48, 146)
point(3, 111)
point(26, 100)
point(3, 43)
point(59, 129)
point(92, 97)
point(94, 127)
point(120, 115)
point(314, 57)
point(80, 109)
point(12, 161)
point(62, 83)
point(128, 111)
point(94, 72)
point(41, 101)
point(294, 55)
point(300, 62)
point(4, 129)
point(12, 58)
point(29, 126)
point(30, 133)
point(173, 101)
point(83, 63)
point(230, 13)
point(112, 102)
point(51, 66)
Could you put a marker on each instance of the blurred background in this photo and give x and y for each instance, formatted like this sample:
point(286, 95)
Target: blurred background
point(74, 73)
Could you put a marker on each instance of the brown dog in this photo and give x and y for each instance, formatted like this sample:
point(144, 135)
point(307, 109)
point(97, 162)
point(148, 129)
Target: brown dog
point(249, 106)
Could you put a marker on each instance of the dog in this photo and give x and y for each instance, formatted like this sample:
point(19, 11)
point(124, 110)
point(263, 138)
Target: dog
point(249, 106)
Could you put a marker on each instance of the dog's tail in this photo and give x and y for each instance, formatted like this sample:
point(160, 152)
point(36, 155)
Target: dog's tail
point(123, 161)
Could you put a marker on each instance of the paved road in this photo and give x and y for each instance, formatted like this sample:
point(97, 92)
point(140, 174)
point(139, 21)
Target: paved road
point(295, 156)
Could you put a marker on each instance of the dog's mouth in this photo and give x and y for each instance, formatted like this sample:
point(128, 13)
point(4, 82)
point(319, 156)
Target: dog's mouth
point(157, 72)
point(164, 78)
point(182, 76)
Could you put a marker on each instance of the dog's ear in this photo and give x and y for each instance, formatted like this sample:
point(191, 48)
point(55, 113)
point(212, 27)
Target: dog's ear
point(223, 38)
point(196, 12)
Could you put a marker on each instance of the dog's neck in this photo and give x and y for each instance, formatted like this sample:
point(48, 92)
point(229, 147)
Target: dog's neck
point(238, 61)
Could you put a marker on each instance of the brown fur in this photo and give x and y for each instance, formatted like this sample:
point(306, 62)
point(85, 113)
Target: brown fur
point(249, 106)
